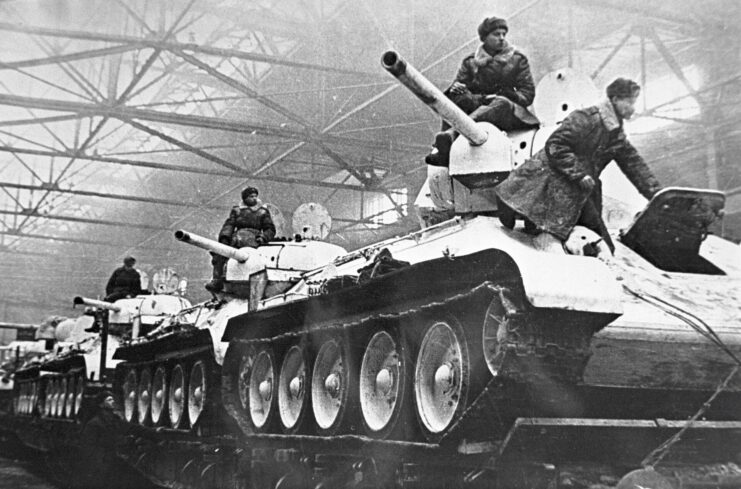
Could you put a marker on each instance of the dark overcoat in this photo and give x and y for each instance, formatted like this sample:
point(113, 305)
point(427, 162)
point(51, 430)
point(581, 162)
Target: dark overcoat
point(545, 188)
point(244, 217)
point(506, 74)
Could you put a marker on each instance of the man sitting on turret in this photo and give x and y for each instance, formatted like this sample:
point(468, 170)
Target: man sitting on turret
point(248, 224)
point(494, 85)
point(125, 282)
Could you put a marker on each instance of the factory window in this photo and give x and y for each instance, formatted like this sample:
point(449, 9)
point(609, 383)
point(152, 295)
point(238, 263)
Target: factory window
point(380, 210)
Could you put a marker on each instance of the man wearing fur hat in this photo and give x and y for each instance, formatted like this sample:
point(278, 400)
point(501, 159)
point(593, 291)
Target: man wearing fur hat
point(494, 84)
point(559, 187)
point(248, 224)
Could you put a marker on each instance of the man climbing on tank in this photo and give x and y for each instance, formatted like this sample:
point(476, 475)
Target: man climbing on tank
point(125, 281)
point(494, 84)
point(248, 224)
point(559, 187)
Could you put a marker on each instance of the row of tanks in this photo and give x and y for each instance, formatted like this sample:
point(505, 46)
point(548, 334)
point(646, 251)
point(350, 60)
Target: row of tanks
point(464, 354)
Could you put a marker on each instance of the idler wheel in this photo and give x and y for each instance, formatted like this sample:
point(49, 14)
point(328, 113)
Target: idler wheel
point(129, 395)
point(262, 394)
point(331, 385)
point(293, 397)
point(383, 383)
point(177, 396)
point(159, 395)
point(495, 332)
point(197, 391)
point(79, 392)
point(144, 396)
point(441, 378)
point(243, 377)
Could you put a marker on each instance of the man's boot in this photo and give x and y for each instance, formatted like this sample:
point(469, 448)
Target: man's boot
point(217, 281)
point(443, 142)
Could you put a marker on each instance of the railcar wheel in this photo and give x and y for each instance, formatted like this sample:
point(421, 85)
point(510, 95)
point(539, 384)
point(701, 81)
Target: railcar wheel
point(383, 383)
point(177, 398)
point(332, 384)
point(197, 391)
point(262, 395)
point(69, 398)
point(293, 397)
point(159, 395)
point(441, 377)
point(144, 396)
point(129, 396)
point(79, 392)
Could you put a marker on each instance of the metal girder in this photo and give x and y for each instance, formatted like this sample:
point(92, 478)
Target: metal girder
point(177, 168)
point(131, 198)
point(64, 58)
point(76, 240)
point(105, 222)
point(175, 46)
point(127, 113)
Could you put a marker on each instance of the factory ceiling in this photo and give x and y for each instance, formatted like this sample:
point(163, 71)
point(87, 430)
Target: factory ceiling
point(124, 120)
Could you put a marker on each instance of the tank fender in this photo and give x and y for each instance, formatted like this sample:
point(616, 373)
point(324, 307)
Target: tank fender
point(216, 324)
point(553, 280)
point(92, 358)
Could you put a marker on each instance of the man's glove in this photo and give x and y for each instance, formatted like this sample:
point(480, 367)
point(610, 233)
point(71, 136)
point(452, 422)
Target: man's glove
point(586, 183)
point(457, 88)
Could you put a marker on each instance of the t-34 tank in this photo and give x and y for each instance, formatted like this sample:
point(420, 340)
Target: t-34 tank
point(170, 378)
point(52, 389)
point(456, 356)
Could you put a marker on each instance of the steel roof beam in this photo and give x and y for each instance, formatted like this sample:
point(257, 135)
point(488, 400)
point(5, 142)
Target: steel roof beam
point(176, 46)
point(178, 168)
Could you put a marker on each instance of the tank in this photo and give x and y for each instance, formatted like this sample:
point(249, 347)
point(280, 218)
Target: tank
point(54, 392)
point(170, 379)
point(464, 354)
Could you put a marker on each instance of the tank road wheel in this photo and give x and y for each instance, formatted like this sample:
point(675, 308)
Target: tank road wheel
point(293, 383)
point(441, 377)
point(177, 396)
point(79, 392)
point(159, 395)
point(69, 398)
point(129, 395)
point(144, 396)
point(198, 389)
point(333, 382)
point(262, 395)
point(62, 395)
point(48, 397)
point(384, 383)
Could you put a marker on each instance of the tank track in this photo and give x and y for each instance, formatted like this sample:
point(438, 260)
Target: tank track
point(542, 349)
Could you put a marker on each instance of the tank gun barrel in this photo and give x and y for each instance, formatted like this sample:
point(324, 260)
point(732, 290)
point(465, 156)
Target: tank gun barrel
point(96, 303)
point(433, 97)
point(211, 245)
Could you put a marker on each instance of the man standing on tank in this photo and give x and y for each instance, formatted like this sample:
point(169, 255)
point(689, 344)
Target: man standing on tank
point(248, 224)
point(559, 187)
point(125, 281)
point(494, 85)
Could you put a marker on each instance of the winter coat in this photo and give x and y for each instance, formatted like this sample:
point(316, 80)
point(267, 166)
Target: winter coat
point(124, 281)
point(506, 74)
point(256, 220)
point(545, 188)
